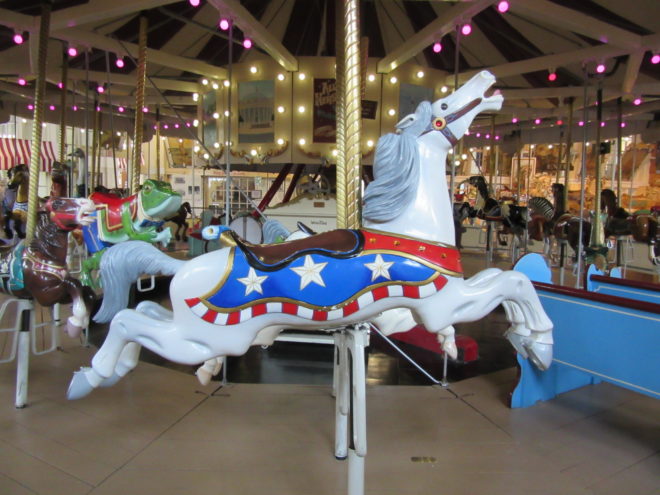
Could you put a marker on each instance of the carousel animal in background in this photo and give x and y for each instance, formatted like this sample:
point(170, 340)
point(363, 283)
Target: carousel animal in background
point(511, 217)
point(241, 295)
point(180, 220)
point(544, 214)
point(19, 179)
point(59, 186)
point(461, 212)
point(39, 270)
point(8, 199)
point(644, 228)
point(78, 164)
point(137, 217)
point(617, 220)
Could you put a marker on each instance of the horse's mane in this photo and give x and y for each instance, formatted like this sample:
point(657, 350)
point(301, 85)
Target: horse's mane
point(396, 169)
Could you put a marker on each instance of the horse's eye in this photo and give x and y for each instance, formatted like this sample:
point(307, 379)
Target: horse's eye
point(444, 106)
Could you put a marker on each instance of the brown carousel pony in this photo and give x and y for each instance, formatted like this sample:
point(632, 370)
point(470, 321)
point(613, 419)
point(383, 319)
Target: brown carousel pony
point(19, 178)
point(39, 270)
point(180, 220)
point(644, 228)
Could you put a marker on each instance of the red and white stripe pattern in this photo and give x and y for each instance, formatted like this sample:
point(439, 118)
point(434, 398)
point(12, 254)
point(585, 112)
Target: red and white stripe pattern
point(16, 151)
point(200, 309)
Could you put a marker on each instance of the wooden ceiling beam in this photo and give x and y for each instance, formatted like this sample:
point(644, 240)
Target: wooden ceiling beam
point(100, 10)
point(442, 25)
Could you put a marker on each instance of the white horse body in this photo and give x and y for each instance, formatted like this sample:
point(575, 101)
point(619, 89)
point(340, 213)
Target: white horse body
point(187, 336)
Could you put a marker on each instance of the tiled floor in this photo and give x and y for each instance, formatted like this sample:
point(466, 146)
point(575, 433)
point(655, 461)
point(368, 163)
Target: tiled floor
point(159, 432)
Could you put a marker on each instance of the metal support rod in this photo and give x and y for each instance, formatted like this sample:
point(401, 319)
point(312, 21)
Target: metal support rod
point(139, 103)
point(230, 65)
point(112, 126)
point(157, 142)
point(23, 358)
point(583, 173)
point(619, 165)
point(597, 233)
point(37, 128)
point(95, 145)
point(632, 172)
point(452, 167)
point(569, 145)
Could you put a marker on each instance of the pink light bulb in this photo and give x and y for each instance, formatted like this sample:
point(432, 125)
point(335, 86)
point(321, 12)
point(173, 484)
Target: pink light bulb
point(98, 108)
point(74, 108)
point(22, 81)
point(72, 51)
point(120, 62)
point(121, 109)
point(537, 121)
point(194, 3)
point(637, 101)
point(560, 122)
point(467, 133)
point(502, 6)
point(552, 76)
point(247, 43)
point(600, 68)
point(437, 47)
point(602, 124)
point(478, 134)
point(176, 126)
point(623, 124)
point(18, 38)
point(155, 127)
point(487, 136)
point(224, 24)
point(466, 29)
point(60, 85)
point(188, 124)
point(581, 123)
point(100, 89)
point(514, 120)
point(497, 138)
point(51, 107)
point(165, 126)
point(30, 106)
point(145, 109)
point(655, 58)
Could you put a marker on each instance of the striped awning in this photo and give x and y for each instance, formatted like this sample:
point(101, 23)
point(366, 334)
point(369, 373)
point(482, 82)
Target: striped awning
point(16, 151)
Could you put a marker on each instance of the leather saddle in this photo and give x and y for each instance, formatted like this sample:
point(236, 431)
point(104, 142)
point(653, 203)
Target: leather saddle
point(341, 243)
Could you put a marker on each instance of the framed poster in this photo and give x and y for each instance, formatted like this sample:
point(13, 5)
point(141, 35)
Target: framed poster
point(325, 116)
point(256, 117)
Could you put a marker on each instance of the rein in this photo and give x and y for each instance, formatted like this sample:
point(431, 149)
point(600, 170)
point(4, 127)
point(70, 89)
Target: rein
point(441, 123)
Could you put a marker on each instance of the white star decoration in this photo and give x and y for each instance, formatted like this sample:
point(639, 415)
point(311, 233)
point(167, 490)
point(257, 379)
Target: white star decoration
point(310, 272)
point(379, 268)
point(253, 282)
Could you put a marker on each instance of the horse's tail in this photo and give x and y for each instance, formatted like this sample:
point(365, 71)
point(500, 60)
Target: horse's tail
point(121, 265)
point(274, 231)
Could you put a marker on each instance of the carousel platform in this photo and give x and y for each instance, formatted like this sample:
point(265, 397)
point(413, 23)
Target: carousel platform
point(159, 432)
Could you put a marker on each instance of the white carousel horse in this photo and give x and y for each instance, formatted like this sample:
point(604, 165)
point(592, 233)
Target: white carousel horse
point(241, 295)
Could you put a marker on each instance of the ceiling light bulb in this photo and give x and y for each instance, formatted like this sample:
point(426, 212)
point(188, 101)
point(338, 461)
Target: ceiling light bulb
point(370, 143)
point(120, 62)
point(537, 121)
point(253, 69)
point(600, 68)
point(552, 76)
point(18, 38)
point(371, 77)
point(280, 77)
point(391, 112)
point(301, 109)
point(302, 141)
point(121, 109)
point(280, 109)
point(393, 79)
point(22, 81)
point(420, 74)
point(216, 115)
point(514, 120)
point(194, 3)
point(655, 58)
point(224, 24)
point(466, 29)
point(502, 6)
point(72, 51)
point(444, 89)
point(280, 141)
point(437, 47)
point(247, 43)
point(637, 101)
point(301, 76)
point(215, 85)
point(226, 113)
point(205, 81)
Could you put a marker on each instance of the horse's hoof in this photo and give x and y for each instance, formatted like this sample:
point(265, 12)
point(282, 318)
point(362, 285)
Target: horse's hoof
point(204, 376)
point(79, 386)
point(450, 348)
point(73, 330)
point(540, 355)
point(110, 381)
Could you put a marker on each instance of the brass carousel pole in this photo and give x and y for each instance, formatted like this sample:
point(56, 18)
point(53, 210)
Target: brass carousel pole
point(95, 146)
point(340, 117)
point(62, 136)
point(37, 128)
point(352, 114)
point(139, 104)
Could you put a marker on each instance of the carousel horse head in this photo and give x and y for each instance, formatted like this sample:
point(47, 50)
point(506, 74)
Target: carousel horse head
point(70, 213)
point(18, 175)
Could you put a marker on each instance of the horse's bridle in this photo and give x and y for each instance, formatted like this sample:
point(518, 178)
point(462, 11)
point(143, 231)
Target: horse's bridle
point(442, 123)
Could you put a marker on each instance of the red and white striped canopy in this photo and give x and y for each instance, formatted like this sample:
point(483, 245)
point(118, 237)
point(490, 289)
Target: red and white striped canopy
point(16, 151)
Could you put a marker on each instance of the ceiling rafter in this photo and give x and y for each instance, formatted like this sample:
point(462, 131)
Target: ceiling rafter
point(573, 20)
point(257, 32)
point(91, 39)
point(444, 24)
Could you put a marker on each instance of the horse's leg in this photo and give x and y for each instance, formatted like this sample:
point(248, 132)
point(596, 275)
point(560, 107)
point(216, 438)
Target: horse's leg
point(80, 317)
